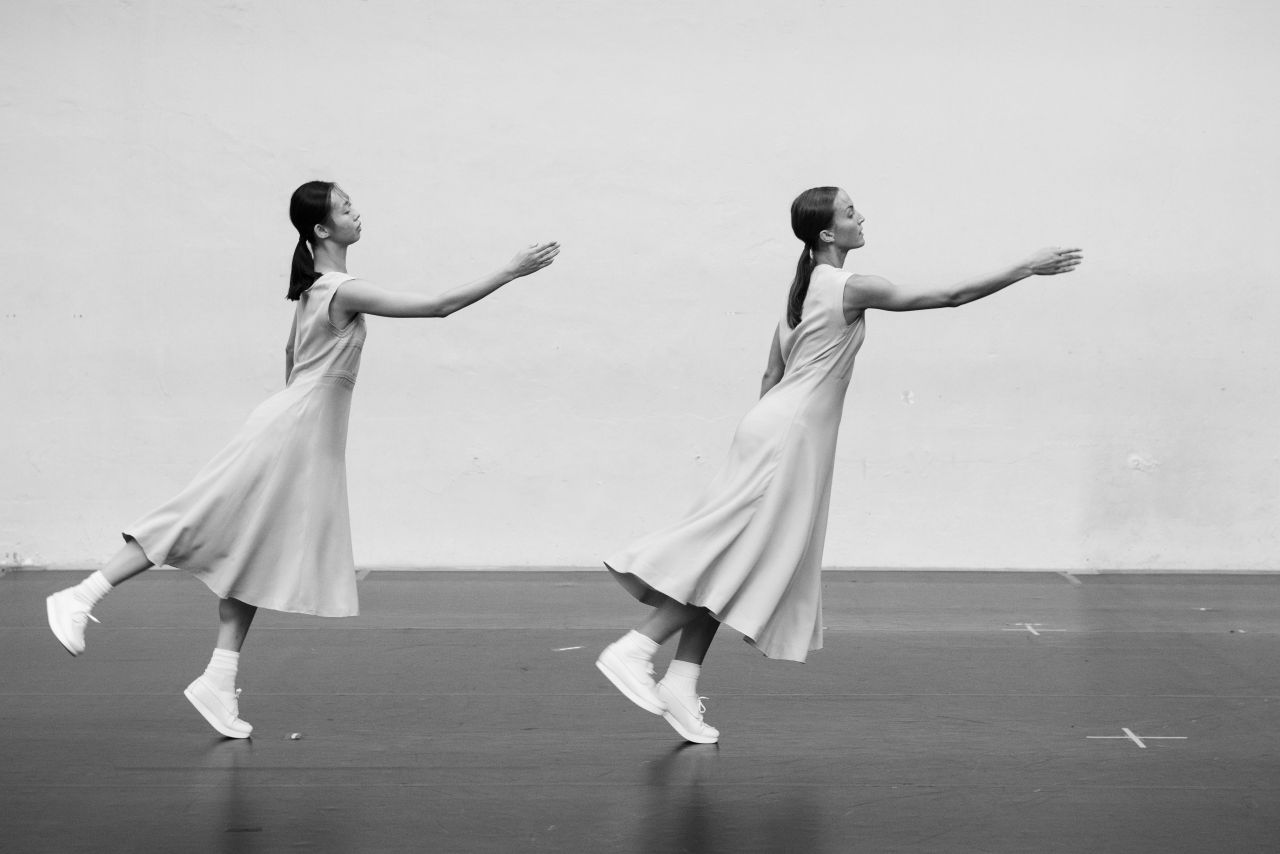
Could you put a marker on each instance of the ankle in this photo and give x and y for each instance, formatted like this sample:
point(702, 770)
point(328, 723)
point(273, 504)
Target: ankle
point(637, 644)
point(92, 590)
point(682, 678)
point(222, 669)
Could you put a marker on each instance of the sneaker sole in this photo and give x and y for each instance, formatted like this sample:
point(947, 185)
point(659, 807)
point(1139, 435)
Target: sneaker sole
point(622, 687)
point(685, 734)
point(212, 718)
point(53, 627)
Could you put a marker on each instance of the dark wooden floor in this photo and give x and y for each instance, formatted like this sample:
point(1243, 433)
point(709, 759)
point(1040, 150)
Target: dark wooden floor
point(462, 713)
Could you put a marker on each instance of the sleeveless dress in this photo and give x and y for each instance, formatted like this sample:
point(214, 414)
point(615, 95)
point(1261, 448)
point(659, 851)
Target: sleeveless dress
point(266, 521)
point(750, 549)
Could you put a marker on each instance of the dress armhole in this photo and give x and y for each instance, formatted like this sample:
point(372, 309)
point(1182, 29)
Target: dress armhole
point(328, 306)
point(784, 333)
point(835, 300)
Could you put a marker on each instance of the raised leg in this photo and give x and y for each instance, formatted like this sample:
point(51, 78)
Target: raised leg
point(125, 564)
point(69, 610)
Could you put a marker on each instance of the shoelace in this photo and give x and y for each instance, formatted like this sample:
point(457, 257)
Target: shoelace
point(82, 618)
point(235, 705)
point(702, 710)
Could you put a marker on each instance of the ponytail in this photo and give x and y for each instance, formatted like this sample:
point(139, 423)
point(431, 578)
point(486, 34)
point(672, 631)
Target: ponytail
point(303, 274)
point(811, 212)
point(799, 287)
point(308, 207)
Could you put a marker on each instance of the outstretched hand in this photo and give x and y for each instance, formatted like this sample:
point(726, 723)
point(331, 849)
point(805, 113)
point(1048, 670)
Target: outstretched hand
point(533, 258)
point(1054, 260)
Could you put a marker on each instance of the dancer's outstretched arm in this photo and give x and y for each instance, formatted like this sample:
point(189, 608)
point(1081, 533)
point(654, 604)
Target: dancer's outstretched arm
point(773, 372)
point(360, 297)
point(863, 292)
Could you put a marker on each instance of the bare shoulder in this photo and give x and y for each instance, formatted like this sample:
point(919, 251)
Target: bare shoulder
point(863, 291)
point(857, 281)
point(350, 297)
point(352, 288)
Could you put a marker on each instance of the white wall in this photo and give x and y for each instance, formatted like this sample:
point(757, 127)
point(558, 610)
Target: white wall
point(1122, 417)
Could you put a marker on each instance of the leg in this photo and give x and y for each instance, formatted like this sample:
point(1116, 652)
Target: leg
point(234, 619)
point(214, 693)
point(696, 638)
point(678, 690)
point(668, 618)
point(69, 609)
point(125, 564)
point(628, 662)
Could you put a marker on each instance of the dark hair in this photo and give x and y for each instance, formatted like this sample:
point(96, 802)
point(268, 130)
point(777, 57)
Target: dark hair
point(811, 212)
point(308, 207)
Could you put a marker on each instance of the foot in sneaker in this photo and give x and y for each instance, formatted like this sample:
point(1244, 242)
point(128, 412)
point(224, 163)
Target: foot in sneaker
point(68, 615)
point(220, 708)
point(632, 675)
point(685, 716)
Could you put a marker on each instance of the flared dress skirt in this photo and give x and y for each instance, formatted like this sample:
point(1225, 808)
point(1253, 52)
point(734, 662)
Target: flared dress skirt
point(750, 548)
point(266, 521)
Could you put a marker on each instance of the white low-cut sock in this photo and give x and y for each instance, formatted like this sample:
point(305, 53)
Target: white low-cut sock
point(637, 644)
point(93, 589)
point(682, 677)
point(222, 669)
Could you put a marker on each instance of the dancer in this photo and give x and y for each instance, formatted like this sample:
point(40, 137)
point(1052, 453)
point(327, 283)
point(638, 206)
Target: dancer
point(265, 524)
point(749, 552)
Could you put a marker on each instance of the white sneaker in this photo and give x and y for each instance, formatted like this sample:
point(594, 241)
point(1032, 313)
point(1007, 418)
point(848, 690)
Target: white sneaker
point(68, 615)
point(220, 708)
point(632, 675)
point(684, 713)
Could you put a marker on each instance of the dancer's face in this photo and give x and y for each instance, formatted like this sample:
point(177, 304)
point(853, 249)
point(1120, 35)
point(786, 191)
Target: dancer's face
point(343, 224)
point(846, 223)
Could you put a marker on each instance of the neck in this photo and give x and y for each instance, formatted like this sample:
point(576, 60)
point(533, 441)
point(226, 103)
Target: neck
point(330, 257)
point(830, 254)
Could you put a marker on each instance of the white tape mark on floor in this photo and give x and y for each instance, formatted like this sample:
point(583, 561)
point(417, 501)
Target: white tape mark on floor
point(1130, 735)
point(1034, 628)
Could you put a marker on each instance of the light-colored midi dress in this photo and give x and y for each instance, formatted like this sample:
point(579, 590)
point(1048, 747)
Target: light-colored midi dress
point(750, 549)
point(266, 521)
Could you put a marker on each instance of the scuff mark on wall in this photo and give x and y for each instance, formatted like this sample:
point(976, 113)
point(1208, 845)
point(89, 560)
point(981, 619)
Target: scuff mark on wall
point(1142, 462)
point(15, 560)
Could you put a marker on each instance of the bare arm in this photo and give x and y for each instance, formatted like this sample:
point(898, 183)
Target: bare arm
point(773, 372)
point(288, 349)
point(360, 297)
point(863, 292)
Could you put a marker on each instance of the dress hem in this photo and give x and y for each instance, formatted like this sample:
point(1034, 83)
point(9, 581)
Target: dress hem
point(620, 575)
point(202, 576)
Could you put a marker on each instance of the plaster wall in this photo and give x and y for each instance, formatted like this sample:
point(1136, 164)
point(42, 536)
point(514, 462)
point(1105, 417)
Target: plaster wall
point(1121, 417)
